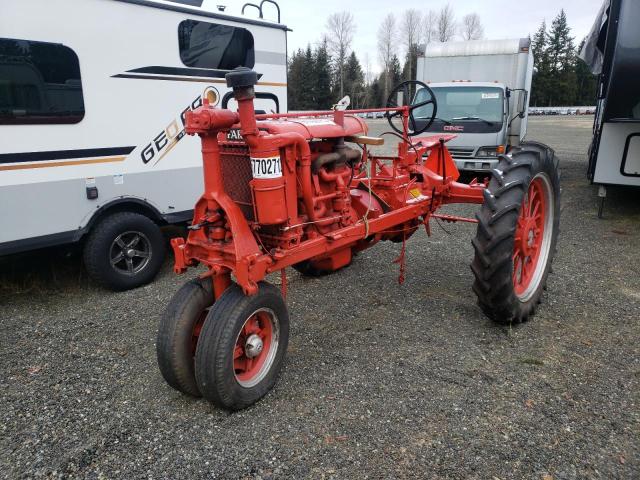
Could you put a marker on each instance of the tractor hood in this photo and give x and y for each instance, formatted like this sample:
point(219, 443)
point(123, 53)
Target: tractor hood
point(311, 128)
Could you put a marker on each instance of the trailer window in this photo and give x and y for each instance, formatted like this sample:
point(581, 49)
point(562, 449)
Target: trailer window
point(210, 45)
point(39, 83)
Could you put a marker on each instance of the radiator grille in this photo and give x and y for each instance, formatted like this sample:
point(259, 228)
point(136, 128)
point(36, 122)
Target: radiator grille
point(236, 175)
point(460, 151)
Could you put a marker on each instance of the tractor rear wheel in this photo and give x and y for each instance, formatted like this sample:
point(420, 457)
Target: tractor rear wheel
point(179, 332)
point(242, 346)
point(518, 227)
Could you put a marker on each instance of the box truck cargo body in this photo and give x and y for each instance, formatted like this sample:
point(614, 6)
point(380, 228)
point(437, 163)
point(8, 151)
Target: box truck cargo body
point(482, 88)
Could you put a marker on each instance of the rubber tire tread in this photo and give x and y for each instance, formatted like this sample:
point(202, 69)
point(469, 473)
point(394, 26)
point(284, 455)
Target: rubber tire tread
point(175, 330)
point(96, 250)
point(214, 355)
point(492, 266)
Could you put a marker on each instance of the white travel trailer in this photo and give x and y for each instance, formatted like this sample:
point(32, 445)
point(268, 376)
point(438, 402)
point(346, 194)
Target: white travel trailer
point(612, 50)
point(483, 89)
point(93, 95)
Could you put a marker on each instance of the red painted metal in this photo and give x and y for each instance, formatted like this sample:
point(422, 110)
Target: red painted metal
point(322, 201)
point(528, 236)
point(246, 368)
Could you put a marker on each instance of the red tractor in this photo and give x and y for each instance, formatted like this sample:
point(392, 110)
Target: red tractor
point(304, 191)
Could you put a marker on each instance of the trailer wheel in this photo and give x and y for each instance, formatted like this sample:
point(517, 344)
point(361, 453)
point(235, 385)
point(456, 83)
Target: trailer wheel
point(517, 233)
point(125, 250)
point(179, 331)
point(242, 346)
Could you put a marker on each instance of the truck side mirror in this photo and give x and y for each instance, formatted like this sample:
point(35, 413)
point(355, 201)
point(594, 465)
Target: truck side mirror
point(523, 103)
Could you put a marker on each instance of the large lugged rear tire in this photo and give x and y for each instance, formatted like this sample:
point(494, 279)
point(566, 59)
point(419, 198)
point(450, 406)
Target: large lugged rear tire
point(242, 346)
point(179, 332)
point(517, 233)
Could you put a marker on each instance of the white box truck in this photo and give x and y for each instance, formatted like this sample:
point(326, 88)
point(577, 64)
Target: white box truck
point(482, 88)
point(93, 95)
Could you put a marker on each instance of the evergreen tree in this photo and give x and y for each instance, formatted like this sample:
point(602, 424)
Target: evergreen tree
point(562, 57)
point(540, 50)
point(306, 93)
point(586, 82)
point(322, 78)
point(295, 80)
point(374, 95)
point(411, 63)
point(354, 81)
point(396, 72)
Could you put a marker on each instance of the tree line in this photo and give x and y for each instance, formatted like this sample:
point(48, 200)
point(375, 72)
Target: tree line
point(560, 77)
point(321, 75)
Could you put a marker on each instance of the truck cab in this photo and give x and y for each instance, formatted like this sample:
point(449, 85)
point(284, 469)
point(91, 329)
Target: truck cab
point(477, 112)
point(482, 91)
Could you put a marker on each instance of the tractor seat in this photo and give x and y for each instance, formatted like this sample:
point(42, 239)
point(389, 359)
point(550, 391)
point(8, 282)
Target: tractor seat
point(364, 140)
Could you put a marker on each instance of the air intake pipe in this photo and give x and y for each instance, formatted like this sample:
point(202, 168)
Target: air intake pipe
point(268, 180)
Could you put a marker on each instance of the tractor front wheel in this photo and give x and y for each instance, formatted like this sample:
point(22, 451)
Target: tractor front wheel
point(179, 332)
point(242, 346)
point(517, 233)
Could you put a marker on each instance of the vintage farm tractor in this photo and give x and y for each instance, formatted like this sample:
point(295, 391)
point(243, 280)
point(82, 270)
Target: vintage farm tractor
point(304, 191)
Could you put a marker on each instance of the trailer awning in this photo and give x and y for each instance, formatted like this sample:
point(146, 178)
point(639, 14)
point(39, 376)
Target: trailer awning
point(613, 50)
point(593, 50)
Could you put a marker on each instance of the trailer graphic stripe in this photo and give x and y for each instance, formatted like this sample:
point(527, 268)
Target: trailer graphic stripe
point(64, 154)
point(188, 79)
point(182, 72)
point(63, 164)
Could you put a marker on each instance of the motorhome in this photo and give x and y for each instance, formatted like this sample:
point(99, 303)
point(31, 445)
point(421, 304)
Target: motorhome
point(93, 96)
point(612, 50)
point(482, 89)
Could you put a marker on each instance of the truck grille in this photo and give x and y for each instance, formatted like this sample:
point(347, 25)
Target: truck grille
point(236, 175)
point(461, 152)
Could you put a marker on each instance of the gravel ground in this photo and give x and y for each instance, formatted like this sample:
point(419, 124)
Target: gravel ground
point(382, 380)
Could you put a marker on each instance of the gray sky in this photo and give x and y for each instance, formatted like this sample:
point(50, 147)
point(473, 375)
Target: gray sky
point(500, 18)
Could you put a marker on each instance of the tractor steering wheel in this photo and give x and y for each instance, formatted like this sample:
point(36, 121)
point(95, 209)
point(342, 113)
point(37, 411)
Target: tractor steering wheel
point(408, 90)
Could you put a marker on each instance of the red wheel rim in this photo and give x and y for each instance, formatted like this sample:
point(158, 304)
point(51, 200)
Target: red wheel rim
point(255, 348)
point(197, 328)
point(531, 239)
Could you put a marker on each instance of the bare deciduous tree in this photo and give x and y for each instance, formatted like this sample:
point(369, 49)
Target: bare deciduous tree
point(341, 28)
point(430, 27)
point(471, 27)
point(386, 47)
point(410, 31)
point(446, 24)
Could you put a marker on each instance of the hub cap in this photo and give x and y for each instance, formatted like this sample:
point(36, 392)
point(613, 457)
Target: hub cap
point(533, 237)
point(130, 253)
point(256, 347)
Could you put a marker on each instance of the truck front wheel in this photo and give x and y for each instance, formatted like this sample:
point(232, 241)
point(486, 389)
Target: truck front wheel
point(123, 251)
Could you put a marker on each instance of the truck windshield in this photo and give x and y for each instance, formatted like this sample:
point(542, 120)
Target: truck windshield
point(460, 104)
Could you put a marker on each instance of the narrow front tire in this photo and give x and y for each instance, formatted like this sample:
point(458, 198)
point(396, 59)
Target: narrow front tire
point(179, 332)
point(242, 346)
